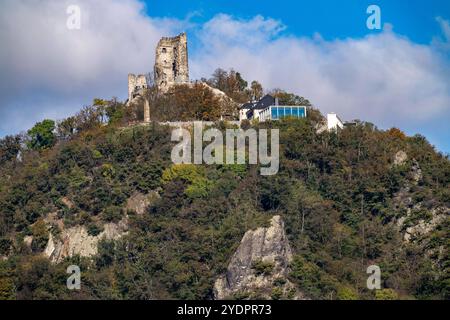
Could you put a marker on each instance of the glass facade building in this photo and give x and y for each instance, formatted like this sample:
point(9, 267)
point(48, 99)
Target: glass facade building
point(278, 112)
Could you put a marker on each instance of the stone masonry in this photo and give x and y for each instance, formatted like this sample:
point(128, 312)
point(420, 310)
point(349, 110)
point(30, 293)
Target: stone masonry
point(135, 84)
point(171, 62)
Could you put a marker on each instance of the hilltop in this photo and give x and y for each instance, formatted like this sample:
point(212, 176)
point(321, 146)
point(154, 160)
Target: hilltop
point(95, 191)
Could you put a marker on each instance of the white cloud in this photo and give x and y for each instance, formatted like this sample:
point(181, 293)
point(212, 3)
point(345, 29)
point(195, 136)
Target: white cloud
point(443, 43)
point(49, 70)
point(445, 26)
point(383, 78)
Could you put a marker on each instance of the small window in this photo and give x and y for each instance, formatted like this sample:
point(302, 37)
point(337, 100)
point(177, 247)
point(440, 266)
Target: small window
point(164, 50)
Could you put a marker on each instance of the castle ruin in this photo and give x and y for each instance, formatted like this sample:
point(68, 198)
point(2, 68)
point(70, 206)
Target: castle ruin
point(171, 62)
point(136, 83)
point(171, 67)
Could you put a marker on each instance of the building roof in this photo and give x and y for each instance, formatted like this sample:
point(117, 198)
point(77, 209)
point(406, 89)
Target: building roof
point(248, 105)
point(265, 102)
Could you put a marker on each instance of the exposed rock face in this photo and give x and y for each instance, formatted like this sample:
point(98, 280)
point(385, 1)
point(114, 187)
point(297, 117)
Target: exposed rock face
point(263, 246)
point(77, 241)
point(400, 158)
point(67, 202)
point(416, 172)
point(403, 199)
point(171, 62)
point(403, 196)
point(422, 228)
point(139, 202)
point(28, 240)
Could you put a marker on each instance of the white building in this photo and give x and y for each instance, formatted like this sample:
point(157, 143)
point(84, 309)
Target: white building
point(243, 111)
point(333, 122)
point(268, 109)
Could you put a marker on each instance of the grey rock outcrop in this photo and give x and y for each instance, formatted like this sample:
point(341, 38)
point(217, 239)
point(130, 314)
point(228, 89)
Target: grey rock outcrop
point(416, 172)
point(28, 240)
point(400, 158)
point(422, 228)
point(267, 247)
point(139, 202)
point(77, 241)
point(403, 200)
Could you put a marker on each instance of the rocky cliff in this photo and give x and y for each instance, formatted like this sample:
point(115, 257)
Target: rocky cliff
point(412, 224)
point(259, 267)
point(77, 241)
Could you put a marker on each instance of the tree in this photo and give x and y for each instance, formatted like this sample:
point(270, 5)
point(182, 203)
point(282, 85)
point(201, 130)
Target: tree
point(346, 293)
point(396, 133)
point(7, 290)
point(289, 99)
point(241, 83)
point(219, 79)
point(116, 112)
point(66, 128)
point(42, 135)
point(386, 294)
point(186, 103)
point(231, 83)
point(9, 148)
point(256, 90)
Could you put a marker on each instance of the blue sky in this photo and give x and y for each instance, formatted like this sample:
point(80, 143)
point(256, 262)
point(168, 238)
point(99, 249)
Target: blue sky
point(321, 49)
point(331, 18)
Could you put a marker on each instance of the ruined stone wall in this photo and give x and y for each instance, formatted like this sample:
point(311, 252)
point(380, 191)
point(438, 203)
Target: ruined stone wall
point(171, 62)
point(135, 83)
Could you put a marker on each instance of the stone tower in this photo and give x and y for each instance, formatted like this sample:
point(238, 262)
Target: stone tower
point(171, 62)
point(136, 84)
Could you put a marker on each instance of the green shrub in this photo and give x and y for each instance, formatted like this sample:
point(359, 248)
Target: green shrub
point(263, 267)
point(112, 214)
point(386, 294)
point(42, 135)
point(94, 230)
point(7, 289)
point(40, 236)
point(346, 293)
point(277, 293)
point(279, 282)
point(241, 295)
point(5, 245)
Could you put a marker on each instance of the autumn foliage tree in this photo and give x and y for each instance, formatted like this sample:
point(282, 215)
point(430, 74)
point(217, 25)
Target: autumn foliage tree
point(187, 103)
point(231, 83)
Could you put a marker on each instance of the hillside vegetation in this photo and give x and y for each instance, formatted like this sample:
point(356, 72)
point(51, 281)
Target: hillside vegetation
point(340, 194)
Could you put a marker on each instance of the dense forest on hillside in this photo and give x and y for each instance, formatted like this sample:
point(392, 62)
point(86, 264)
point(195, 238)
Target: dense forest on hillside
point(338, 193)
